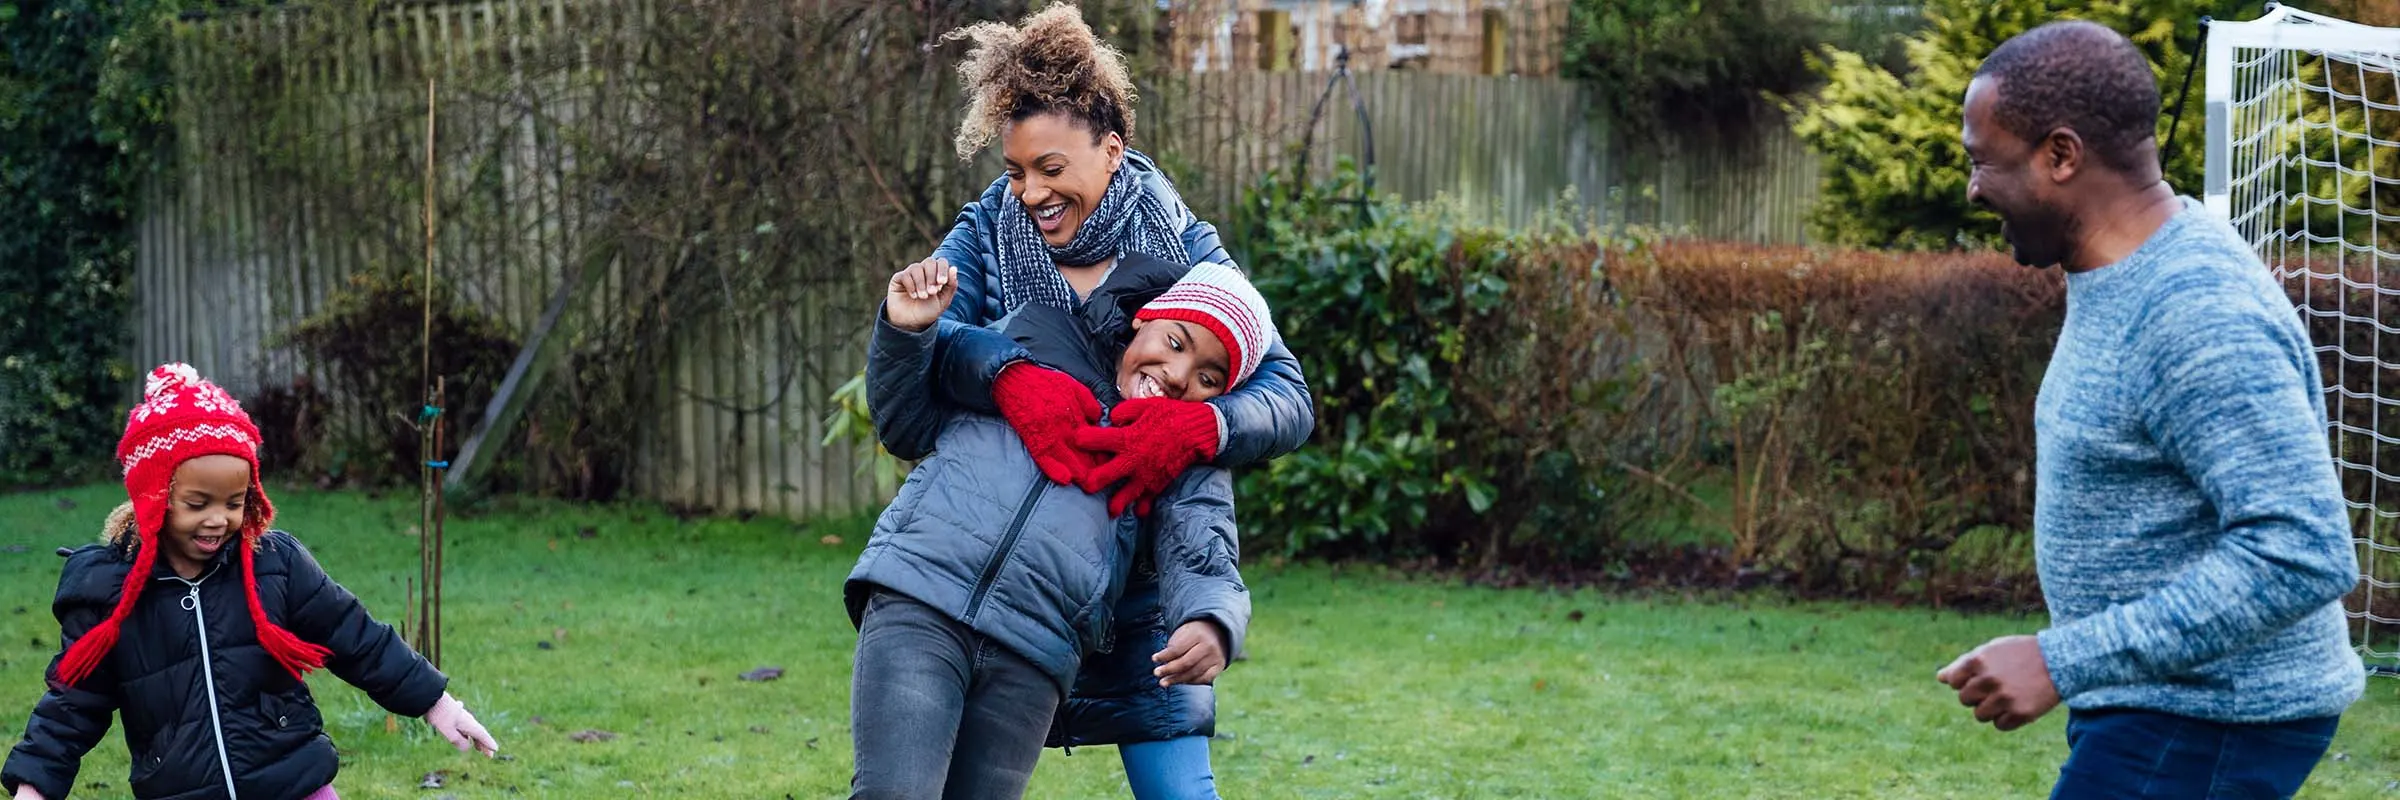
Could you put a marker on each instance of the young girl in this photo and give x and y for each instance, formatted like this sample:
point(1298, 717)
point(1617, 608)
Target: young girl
point(985, 584)
point(195, 621)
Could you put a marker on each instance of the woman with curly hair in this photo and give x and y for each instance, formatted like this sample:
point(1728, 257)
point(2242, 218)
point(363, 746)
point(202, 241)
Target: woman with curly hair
point(1075, 199)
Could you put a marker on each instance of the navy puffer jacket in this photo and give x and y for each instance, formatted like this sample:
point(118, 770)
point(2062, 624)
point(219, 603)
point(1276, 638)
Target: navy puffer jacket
point(198, 695)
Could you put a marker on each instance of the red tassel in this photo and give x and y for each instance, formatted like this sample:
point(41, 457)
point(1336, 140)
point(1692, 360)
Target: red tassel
point(299, 657)
point(84, 656)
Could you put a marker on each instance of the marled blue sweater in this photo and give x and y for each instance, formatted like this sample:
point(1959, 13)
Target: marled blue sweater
point(2190, 530)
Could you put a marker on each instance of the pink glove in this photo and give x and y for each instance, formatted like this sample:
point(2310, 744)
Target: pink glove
point(451, 719)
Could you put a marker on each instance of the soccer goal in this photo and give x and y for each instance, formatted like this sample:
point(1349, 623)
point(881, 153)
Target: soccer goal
point(2304, 159)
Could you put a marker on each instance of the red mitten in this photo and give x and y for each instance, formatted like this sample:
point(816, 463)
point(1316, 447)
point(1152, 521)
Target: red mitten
point(1154, 439)
point(1046, 406)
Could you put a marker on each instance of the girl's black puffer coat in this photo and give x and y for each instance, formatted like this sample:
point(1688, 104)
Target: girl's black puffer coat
point(208, 714)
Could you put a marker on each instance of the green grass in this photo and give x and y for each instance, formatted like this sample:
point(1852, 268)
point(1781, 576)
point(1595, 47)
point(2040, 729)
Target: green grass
point(1361, 685)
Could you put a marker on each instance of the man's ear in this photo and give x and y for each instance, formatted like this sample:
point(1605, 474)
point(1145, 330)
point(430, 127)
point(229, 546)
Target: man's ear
point(2062, 155)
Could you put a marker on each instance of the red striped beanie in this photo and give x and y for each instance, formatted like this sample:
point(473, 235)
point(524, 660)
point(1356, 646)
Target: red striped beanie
point(1218, 297)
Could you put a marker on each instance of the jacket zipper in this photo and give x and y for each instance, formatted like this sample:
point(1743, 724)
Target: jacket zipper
point(208, 678)
point(1008, 542)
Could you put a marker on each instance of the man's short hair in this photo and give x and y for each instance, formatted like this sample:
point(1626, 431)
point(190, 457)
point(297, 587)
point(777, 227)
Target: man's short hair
point(2082, 76)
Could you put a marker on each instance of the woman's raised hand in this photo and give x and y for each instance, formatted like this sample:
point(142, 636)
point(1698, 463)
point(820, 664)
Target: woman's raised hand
point(919, 293)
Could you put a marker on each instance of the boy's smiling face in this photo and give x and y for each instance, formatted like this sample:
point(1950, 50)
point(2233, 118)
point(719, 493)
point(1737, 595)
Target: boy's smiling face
point(1173, 359)
point(205, 509)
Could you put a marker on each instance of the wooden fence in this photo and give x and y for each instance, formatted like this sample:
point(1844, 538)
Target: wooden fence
point(1506, 147)
point(229, 258)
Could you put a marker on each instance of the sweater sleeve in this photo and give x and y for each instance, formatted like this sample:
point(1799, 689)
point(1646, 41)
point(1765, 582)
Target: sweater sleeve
point(2230, 406)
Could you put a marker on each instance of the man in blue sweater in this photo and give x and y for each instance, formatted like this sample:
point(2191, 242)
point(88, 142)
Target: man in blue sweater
point(2188, 525)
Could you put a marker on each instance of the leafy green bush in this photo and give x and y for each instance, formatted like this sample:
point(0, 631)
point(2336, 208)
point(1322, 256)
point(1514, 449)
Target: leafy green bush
point(81, 119)
point(1895, 174)
point(1466, 393)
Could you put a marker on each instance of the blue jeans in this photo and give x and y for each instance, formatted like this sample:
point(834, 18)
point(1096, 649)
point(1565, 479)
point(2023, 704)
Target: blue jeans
point(1175, 769)
point(939, 711)
point(2144, 754)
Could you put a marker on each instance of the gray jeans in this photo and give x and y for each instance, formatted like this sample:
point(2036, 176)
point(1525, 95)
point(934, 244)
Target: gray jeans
point(937, 710)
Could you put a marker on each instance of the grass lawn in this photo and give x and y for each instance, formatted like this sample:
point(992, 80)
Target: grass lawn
point(624, 619)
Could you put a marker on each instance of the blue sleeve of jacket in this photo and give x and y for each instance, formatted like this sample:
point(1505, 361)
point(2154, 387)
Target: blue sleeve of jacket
point(908, 418)
point(1198, 552)
point(968, 247)
point(971, 358)
point(1268, 415)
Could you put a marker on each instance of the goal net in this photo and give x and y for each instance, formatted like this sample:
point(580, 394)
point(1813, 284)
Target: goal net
point(2304, 159)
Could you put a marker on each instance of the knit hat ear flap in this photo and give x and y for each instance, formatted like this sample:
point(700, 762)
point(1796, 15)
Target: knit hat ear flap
point(84, 655)
point(296, 655)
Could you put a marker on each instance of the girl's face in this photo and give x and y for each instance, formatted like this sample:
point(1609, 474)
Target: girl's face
point(1173, 359)
point(206, 504)
point(1058, 169)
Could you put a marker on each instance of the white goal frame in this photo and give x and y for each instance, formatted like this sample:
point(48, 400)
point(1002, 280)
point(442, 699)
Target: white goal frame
point(2283, 28)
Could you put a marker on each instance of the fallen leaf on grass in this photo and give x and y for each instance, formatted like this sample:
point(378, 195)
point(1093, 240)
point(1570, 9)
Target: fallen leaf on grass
point(812, 743)
point(763, 674)
point(758, 729)
point(591, 735)
point(830, 540)
point(1575, 615)
point(433, 780)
